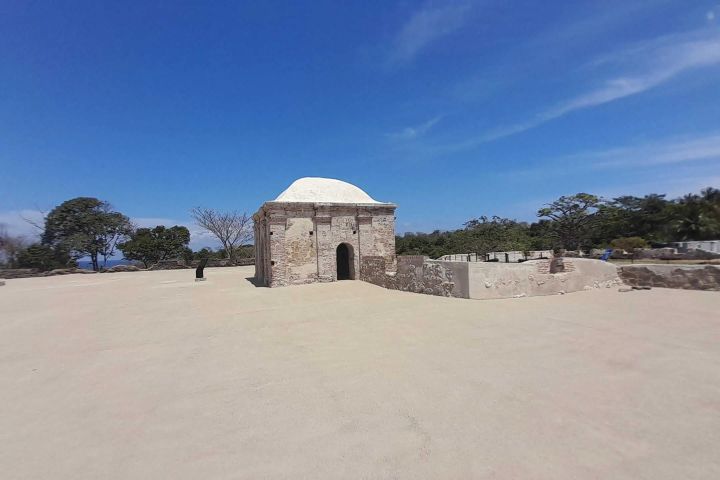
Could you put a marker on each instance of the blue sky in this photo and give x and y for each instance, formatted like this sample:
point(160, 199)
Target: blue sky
point(452, 110)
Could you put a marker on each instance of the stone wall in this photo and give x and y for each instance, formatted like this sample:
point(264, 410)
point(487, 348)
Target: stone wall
point(507, 257)
point(11, 273)
point(178, 264)
point(707, 245)
point(539, 277)
point(687, 277)
point(418, 275)
point(162, 265)
point(485, 280)
point(297, 242)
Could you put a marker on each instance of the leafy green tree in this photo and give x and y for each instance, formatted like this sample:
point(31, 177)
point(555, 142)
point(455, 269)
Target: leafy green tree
point(543, 236)
point(695, 217)
point(580, 221)
point(496, 234)
point(629, 216)
point(205, 253)
point(629, 243)
point(85, 226)
point(711, 198)
point(572, 218)
point(153, 245)
point(44, 257)
point(187, 255)
point(245, 251)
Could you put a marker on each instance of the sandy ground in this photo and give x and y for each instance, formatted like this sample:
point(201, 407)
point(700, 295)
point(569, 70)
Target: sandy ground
point(153, 376)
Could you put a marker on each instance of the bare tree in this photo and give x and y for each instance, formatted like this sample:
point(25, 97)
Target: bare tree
point(233, 229)
point(40, 226)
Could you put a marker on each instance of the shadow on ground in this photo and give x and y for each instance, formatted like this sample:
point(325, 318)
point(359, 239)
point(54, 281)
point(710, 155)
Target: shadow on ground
point(255, 282)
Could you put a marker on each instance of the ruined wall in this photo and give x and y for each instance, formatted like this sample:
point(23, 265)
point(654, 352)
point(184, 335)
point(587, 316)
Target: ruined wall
point(299, 240)
point(300, 250)
point(276, 242)
point(418, 275)
point(687, 277)
point(343, 229)
point(262, 256)
point(539, 277)
point(706, 245)
point(485, 280)
point(507, 257)
point(383, 231)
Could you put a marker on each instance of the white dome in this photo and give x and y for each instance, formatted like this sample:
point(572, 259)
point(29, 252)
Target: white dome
point(323, 190)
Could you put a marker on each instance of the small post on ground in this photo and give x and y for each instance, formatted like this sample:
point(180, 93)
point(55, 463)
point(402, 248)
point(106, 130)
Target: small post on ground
point(199, 277)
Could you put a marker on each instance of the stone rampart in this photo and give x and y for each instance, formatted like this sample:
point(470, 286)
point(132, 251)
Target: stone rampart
point(687, 277)
point(485, 280)
point(417, 274)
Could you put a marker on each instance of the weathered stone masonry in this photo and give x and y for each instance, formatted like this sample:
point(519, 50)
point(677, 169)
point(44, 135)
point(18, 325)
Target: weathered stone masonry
point(298, 242)
point(686, 277)
point(483, 280)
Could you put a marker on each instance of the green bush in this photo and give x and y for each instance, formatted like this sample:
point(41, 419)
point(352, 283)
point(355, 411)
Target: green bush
point(44, 258)
point(629, 243)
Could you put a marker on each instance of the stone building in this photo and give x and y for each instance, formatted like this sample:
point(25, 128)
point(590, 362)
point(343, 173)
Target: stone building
point(319, 230)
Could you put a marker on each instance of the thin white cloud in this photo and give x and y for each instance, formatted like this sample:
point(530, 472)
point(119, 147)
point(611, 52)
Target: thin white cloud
point(643, 67)
point(662, 64)
point(426, 26)
point(675, 151)
point(408, 133)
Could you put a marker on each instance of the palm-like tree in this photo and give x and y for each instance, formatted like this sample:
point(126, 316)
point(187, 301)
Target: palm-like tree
point(698, 216)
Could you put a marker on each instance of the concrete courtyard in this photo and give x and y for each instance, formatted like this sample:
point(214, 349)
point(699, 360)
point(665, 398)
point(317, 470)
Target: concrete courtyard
point(149, 375)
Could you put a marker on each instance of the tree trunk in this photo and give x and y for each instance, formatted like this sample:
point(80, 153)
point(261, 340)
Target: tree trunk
point(229, 252)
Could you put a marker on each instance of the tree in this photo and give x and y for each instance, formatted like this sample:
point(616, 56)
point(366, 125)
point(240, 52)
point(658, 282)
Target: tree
point(232, 229)
point(572, 218)
point(497, 234)
point(86, 226)
point(629, 216)
point(153, 245)
point(628, 243)
point(710, 198)
point(204, 252)
point(44, 257)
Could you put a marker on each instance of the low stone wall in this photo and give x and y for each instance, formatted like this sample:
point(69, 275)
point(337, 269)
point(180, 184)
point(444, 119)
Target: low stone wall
point(507, 257)
point(418, 275)
point(485, 280)
point(9, 273)
point(33, 272)
point(169, 265)
point(177, 264)
point(539, 277)
point(687, 277)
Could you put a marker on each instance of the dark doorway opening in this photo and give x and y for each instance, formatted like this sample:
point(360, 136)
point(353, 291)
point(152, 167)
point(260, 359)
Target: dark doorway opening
point(344, 258)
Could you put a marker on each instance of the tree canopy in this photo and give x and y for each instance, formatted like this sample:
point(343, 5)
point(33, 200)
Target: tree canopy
point(580, 221)
point(86, 226)
point(151, 245)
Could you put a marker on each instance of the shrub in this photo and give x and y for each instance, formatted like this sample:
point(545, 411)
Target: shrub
point(629, 243)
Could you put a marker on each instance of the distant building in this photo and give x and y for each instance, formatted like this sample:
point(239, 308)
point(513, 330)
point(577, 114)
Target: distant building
point(318, 230)
point(706, 245)
point(505, 257)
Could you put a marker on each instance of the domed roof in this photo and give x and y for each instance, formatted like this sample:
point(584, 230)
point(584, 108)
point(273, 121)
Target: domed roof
point(323, 190)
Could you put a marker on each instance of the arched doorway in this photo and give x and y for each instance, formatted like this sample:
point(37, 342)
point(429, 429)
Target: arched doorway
point(345, 262)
